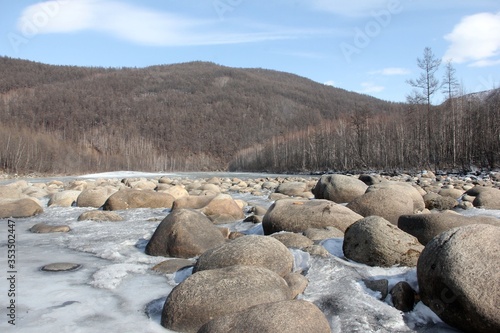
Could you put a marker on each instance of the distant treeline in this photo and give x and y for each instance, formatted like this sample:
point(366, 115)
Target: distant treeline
point(202, 116)
point(465, 134)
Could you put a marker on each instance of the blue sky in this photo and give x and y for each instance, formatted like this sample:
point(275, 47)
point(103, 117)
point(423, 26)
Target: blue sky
point(367, 46)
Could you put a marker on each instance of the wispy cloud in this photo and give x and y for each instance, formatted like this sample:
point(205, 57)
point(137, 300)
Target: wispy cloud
point(330, 83)
point(475, 39)
point(138, 24)
point(391, 71)
point(370, 87)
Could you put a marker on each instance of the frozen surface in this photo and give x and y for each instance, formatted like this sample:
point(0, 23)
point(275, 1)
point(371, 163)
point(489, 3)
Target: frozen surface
point(115, 290)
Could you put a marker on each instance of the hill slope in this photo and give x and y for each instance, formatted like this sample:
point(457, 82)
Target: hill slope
point(187, 116)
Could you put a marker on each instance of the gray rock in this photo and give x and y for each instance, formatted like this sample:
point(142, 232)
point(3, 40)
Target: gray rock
point(413, 192)
point(223, 209)
point(435, 201)
point(375, 241)
point(184, 233)
point(278, 317)
point(43, 228)
point(293, 240)
point(426, 226)
point(64, 198)
point(261, 251)
point(94, 197)
point(403, 296)
point(488, 199)
point(19, 208)
point(458, 276)
point(297, 283)
point(172, 265)
point(99, 215)
point(132, 198)
point(299, 215)
point(213, 293)
point(389, 203)
point(292, 188)
point(61, 267)
point(339, 188)
point(381, 286)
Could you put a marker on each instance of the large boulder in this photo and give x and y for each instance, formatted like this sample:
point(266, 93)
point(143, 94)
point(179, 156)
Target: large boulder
point(64, 198)
point(458, 276)
point(339, 188)
point(277, 317)
point(214, 293)
point(130, 198)
point(413, 192)
point(184, 233)
point(489, 199)
point(299, 215)
point(436, 201)
point(426, 226)
point(11, 192)
point(19, 208)
point(177, 191)
point(95, 197)
point(292, 188)
point(223, 209)
point(262, 251)
point(389, 203)
point(192, 202)
point(375, 241)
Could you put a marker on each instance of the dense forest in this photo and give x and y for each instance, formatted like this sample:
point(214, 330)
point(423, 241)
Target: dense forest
point(203, 116)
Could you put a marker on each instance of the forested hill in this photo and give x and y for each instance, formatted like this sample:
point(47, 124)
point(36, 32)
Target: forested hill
point(187, 116)
point(203, 116)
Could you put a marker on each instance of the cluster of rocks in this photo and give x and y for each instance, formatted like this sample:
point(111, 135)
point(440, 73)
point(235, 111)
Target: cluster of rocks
point(247, 282)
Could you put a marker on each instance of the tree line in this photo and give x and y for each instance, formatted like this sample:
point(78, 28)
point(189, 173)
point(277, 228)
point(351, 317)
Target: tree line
point(202, 116)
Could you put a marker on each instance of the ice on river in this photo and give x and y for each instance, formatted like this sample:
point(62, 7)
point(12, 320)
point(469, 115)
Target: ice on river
point(115, 289)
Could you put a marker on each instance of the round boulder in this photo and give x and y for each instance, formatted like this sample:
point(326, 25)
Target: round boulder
point(131, 198)
point(389, 203)
point(375, 241)
point(223, 209)
point(278, 317)
point(458, 277)
point(488, 199)
point(64, 198)
point(251, 250)
point(407, 189)
point(300, 215)
point(214, 293)
point(291, 188)
point(339, 188)
point(426, 226)
point(436, 201)
point(94, 197)
point(184, 233)
point(19, 208)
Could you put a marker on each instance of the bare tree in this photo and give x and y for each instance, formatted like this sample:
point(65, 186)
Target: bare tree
point(450, 88)
point(425, 87)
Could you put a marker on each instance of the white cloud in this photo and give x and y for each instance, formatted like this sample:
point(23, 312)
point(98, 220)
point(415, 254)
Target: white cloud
point(370, 87)
point(135, 24)
point(391, 71)
point(330, 83)
point(475, 39)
